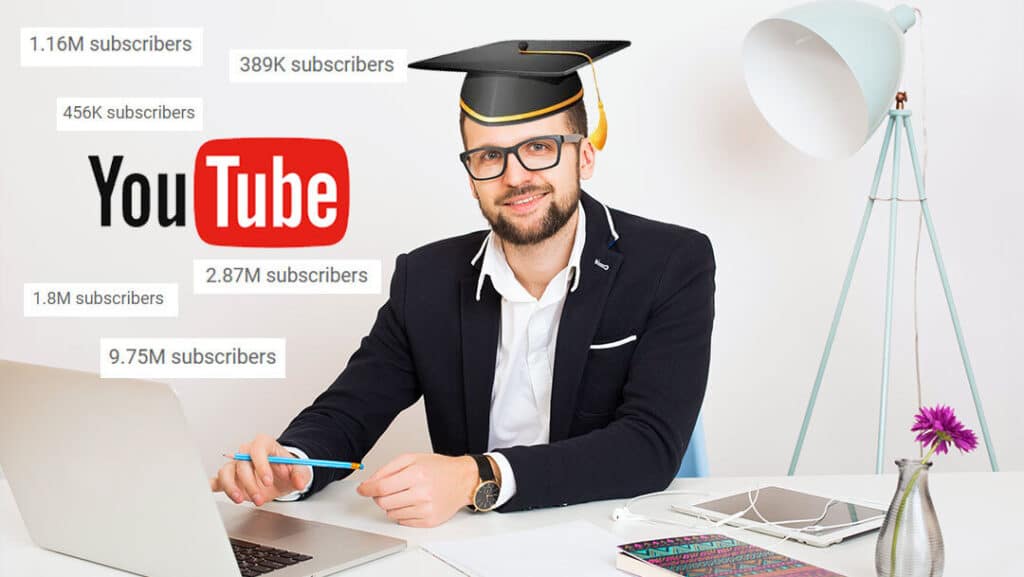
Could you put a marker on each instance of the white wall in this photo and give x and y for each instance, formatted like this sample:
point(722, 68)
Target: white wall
point(686, 145)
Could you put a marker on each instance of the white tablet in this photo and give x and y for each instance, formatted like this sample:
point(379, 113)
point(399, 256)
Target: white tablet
point(811, 519)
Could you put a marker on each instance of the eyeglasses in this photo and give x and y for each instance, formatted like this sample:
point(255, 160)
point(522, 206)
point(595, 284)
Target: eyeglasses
point(537, 153)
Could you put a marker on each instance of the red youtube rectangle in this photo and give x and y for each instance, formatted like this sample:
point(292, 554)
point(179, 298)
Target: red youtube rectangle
point(271, 192)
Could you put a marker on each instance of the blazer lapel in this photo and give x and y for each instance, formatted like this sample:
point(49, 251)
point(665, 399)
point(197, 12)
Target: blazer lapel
point(580, 316)
point(480, 325)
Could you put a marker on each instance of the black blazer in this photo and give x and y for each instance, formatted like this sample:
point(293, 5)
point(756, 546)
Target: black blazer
point(621, 417)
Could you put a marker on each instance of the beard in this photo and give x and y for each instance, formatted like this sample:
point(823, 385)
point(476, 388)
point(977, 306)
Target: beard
point(553, 220)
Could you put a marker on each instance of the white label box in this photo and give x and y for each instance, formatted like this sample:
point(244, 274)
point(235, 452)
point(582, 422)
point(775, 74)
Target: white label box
point(286, 276)
point(102, 47)
point(317, 66)
point(119, 114)
point(49, 299)
point(192, 358)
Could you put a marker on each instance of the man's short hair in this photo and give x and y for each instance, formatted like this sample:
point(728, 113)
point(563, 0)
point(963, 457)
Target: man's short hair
point(576, 119)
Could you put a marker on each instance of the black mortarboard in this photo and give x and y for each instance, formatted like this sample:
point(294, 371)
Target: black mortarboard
point(522, 80)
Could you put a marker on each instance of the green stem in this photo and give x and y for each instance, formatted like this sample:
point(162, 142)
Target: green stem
point(903, 504)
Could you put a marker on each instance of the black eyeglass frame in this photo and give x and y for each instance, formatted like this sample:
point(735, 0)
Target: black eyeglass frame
point(514, 150)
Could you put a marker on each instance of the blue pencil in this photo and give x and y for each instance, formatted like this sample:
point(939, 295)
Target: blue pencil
point(294, 461)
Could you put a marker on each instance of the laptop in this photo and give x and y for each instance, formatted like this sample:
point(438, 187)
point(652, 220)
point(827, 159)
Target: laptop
point(105, 470)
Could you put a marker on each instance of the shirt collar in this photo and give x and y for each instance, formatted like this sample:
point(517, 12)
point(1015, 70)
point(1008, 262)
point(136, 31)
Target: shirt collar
point(494, 261)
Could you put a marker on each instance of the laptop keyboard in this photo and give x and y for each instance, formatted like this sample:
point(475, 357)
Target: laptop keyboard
point(256, 559)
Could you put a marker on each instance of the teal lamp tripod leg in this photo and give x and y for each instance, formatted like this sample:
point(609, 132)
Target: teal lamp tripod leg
point(889, 281)
point(949, 296)
point(842, 295)
point(897, 119)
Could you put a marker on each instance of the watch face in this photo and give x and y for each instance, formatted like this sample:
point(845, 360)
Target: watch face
point(486, 495)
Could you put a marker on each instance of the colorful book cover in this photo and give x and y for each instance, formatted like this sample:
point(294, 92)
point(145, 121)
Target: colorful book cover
point(719, 556)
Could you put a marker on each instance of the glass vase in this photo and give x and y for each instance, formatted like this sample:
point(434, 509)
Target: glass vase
point(918, 550)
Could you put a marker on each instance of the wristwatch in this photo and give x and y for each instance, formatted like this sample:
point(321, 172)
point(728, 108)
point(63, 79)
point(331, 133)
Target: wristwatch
point(485, 496)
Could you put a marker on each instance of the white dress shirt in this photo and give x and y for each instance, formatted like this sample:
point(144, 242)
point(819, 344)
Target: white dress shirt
point(525, 361)
point(523, 369)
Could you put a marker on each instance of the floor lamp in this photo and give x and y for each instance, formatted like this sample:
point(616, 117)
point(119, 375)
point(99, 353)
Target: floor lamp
point(824, 75)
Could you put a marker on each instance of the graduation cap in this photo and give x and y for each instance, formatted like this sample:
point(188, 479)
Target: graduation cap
point(523, 80)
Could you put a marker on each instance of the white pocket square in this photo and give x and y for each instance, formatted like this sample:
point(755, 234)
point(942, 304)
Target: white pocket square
point(613, 344)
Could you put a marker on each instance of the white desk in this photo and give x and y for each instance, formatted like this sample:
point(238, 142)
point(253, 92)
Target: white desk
point(979, 514)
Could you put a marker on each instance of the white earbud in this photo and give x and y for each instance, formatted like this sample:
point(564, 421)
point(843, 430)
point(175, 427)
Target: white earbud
point(625, 514)
point(621, 513)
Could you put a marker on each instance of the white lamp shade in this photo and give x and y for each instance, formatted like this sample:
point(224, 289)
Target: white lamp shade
point(824, 74)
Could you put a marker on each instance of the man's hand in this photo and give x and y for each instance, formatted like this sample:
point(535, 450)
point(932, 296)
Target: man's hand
point(260, 481)
point(422, 490)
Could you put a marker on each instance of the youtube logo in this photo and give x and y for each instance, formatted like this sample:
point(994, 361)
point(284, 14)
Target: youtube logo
point(271, 192)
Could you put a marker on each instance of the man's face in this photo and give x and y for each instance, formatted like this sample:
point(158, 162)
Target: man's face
point(522, 206)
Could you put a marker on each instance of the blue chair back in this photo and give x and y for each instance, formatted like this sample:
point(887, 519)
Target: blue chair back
point(695, 461)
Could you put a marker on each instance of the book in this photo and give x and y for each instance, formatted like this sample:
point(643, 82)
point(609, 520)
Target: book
point(709, 555)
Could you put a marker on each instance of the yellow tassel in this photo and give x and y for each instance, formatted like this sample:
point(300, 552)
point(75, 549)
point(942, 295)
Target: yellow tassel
point(600, 134)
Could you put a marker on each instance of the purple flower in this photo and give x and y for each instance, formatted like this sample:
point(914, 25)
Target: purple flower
point(939, 427)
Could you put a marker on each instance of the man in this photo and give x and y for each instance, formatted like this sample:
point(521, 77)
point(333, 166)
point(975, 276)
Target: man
point(562, 356)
